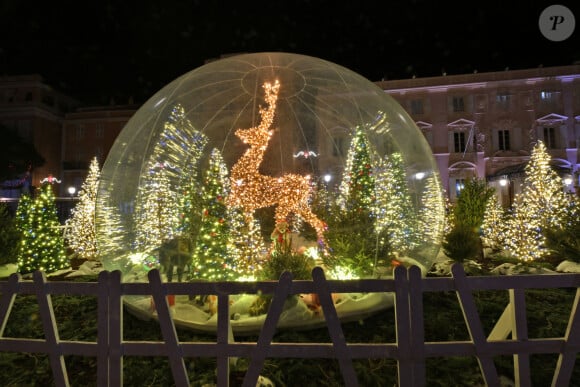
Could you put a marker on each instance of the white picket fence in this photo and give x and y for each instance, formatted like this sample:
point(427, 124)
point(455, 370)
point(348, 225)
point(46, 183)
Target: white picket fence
point(410, 349)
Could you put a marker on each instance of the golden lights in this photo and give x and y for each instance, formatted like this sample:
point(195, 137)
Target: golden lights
point(251, 190)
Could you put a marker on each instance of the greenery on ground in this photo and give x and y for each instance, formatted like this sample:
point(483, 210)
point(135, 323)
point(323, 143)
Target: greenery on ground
point(548, 312)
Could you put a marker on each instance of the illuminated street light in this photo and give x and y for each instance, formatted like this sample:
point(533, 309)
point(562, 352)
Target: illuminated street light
point(71, 191)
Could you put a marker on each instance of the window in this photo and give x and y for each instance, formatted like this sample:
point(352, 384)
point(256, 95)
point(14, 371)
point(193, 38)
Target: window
point(100, 130)
point(338, 147)
point(503, 140)
point(459, 185)
point(550, 138)
point(458, 104)
point(80, 132)
point(503, 100)
point(459, 142)
point(417, 106)
point(547, 95)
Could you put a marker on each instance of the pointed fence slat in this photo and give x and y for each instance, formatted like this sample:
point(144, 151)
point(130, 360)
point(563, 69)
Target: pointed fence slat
point(471, 316)
point(410, 351)
point(50, 330)
point(262, 348)
point(334, 328)
point(159, 292)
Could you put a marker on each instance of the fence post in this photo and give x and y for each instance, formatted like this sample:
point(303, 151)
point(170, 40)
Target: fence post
point(103, 297)
point(403, 326)
point(520, 333)
point(224, 336)
point(115, 330)
point(417, 325)
point(7, 300)
point(567, 358)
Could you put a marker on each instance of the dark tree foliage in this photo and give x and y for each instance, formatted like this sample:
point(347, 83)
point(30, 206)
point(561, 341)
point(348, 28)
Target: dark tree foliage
point(17, 155)
point(461, 243)
point(9, 237)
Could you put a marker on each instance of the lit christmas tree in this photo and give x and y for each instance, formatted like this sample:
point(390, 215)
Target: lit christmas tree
point(42, 244)
point(110, 235)
point(433, 203)
point(249, 247)
point(524, 239)
point(543, 193)
point(156, 214)
point(358, 184)
point(82, 236)
point(23, 211)
point(541, 204)
point(395, 223)
point(212, 257)
point(494, 227)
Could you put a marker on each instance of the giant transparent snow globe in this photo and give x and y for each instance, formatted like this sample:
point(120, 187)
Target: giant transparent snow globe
point(264, 161)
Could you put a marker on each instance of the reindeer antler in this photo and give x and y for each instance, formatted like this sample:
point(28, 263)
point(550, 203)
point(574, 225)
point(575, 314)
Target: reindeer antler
point(267, 115)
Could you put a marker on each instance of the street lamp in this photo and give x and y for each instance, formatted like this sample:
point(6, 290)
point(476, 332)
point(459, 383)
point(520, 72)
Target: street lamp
point(71, 191)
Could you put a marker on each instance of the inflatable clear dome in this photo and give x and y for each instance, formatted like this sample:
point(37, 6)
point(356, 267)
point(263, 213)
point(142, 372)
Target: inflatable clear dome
point(259, 163)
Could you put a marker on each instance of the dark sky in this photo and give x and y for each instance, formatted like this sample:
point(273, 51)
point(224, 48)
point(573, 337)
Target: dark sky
point(95, 50)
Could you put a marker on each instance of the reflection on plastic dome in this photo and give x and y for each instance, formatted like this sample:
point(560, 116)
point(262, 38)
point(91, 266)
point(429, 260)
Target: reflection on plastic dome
point(260, 163)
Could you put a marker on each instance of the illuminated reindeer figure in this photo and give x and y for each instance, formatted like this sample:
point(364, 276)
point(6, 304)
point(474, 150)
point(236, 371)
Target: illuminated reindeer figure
point(252, 190)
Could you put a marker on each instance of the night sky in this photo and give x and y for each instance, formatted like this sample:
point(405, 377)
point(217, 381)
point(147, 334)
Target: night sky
point(98, 50)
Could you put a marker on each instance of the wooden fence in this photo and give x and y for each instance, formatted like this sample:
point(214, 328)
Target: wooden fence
point(410, 349)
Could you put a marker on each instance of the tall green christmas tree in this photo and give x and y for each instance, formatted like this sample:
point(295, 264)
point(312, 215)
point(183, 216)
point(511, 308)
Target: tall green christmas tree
point(395, 222)
point(42, 244)
point(82, 236)
point(351, 233)
point(357, 188)
point(541, 204)
point(213, 255)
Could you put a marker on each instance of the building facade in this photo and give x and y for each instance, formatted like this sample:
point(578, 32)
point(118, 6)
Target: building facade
point(35, 111)
point(485, 125)
point(480, 125)
point(88, 133)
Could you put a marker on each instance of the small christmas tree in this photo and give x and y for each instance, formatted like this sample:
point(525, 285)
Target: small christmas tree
point(494, 226)
point(156, 213)
point(42, 244)
point(395, 223)
point(524, 238)
point(82, 236)
point(212, 257)
point(433, 204)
